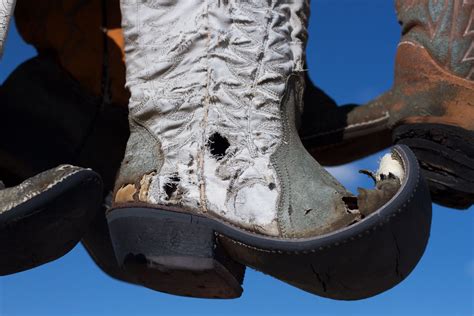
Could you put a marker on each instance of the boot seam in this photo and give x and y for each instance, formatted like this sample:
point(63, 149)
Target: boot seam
point(385, 116)
point(207, 103)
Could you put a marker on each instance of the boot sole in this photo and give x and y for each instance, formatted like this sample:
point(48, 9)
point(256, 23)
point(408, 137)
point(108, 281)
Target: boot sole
point(179, 253)
point(50, 224)
point(174, 252)
point(446, 157)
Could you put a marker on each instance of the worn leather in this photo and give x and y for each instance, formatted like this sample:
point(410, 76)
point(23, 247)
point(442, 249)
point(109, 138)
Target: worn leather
point(6, 10)
point(434, 83)
point(49, 119)
point(310, 198)
point(444, 28)
point(57, 122)
point(34, 186)
point(197, 69)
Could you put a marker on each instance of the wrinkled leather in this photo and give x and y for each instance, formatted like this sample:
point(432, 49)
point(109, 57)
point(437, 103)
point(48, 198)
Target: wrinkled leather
point(196, 69)
point(434, 83)
point(6, 10)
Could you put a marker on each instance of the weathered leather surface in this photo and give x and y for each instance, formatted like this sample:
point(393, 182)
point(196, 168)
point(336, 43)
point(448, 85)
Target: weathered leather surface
point(434, 83)
point(6, 10)
point(204, 74)
point(311, 200)
point(52, 121)
point(445, 28)
point(34, 186)
point(48, 119)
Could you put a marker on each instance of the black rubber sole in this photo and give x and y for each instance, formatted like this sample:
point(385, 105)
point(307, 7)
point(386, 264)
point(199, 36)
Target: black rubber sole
point(177, 252)
point(446, 157)
point(50, 224)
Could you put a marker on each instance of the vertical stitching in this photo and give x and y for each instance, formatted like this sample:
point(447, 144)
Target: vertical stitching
point(202, 182)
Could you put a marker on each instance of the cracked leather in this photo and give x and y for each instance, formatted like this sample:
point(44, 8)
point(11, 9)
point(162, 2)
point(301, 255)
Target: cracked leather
point(434, 83)
point(200, 68)
point(34, 186)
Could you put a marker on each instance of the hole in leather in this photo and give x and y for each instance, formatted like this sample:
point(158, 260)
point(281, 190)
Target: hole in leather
point(218, 145)
point(171, 186)
point(351, 202)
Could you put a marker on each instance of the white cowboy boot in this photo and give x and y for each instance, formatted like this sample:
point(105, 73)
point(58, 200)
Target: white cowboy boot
point(215, 172)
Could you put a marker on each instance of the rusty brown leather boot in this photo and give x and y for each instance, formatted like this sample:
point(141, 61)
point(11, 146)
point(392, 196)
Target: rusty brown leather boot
point(430, 107)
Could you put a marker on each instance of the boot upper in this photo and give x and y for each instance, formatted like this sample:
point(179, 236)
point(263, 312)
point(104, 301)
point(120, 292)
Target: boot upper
point(215, 88)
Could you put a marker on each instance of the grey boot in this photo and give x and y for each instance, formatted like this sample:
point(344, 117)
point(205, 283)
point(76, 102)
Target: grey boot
point(215, 176)
point(44, 217)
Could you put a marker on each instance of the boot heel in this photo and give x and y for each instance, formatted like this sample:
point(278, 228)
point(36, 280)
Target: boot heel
point(176, 254)
point(445, 154)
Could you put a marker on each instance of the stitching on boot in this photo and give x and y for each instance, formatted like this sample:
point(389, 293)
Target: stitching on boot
point(207, 103)
point(385, 117)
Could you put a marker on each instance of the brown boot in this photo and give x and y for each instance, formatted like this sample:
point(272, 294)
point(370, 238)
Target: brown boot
point(75, 110)
point(430, 107)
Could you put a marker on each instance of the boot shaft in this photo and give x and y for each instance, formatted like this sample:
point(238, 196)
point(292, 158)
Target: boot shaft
point(445, 28)
point(215, 86)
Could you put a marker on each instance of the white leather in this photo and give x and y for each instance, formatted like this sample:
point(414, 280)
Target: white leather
point(6, 12)
point(388, 165)
point(199, 67)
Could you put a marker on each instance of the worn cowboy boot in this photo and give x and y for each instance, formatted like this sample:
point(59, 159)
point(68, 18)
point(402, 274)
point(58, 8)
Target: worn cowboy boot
point(215, 176)
point(61, 123)
point(430, 107)
point(76, 106)
point(44, 217)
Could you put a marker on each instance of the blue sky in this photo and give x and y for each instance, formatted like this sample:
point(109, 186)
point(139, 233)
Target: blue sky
point(351, 52)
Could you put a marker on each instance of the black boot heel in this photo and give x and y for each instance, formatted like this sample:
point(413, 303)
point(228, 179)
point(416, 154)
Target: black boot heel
point(176, 254)
point(446, 157)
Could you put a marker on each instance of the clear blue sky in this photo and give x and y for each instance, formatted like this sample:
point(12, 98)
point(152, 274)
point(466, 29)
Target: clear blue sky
point(351, 52)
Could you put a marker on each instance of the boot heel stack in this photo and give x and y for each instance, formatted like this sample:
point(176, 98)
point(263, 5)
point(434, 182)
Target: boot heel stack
point(446, 157)
point(176, 254)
